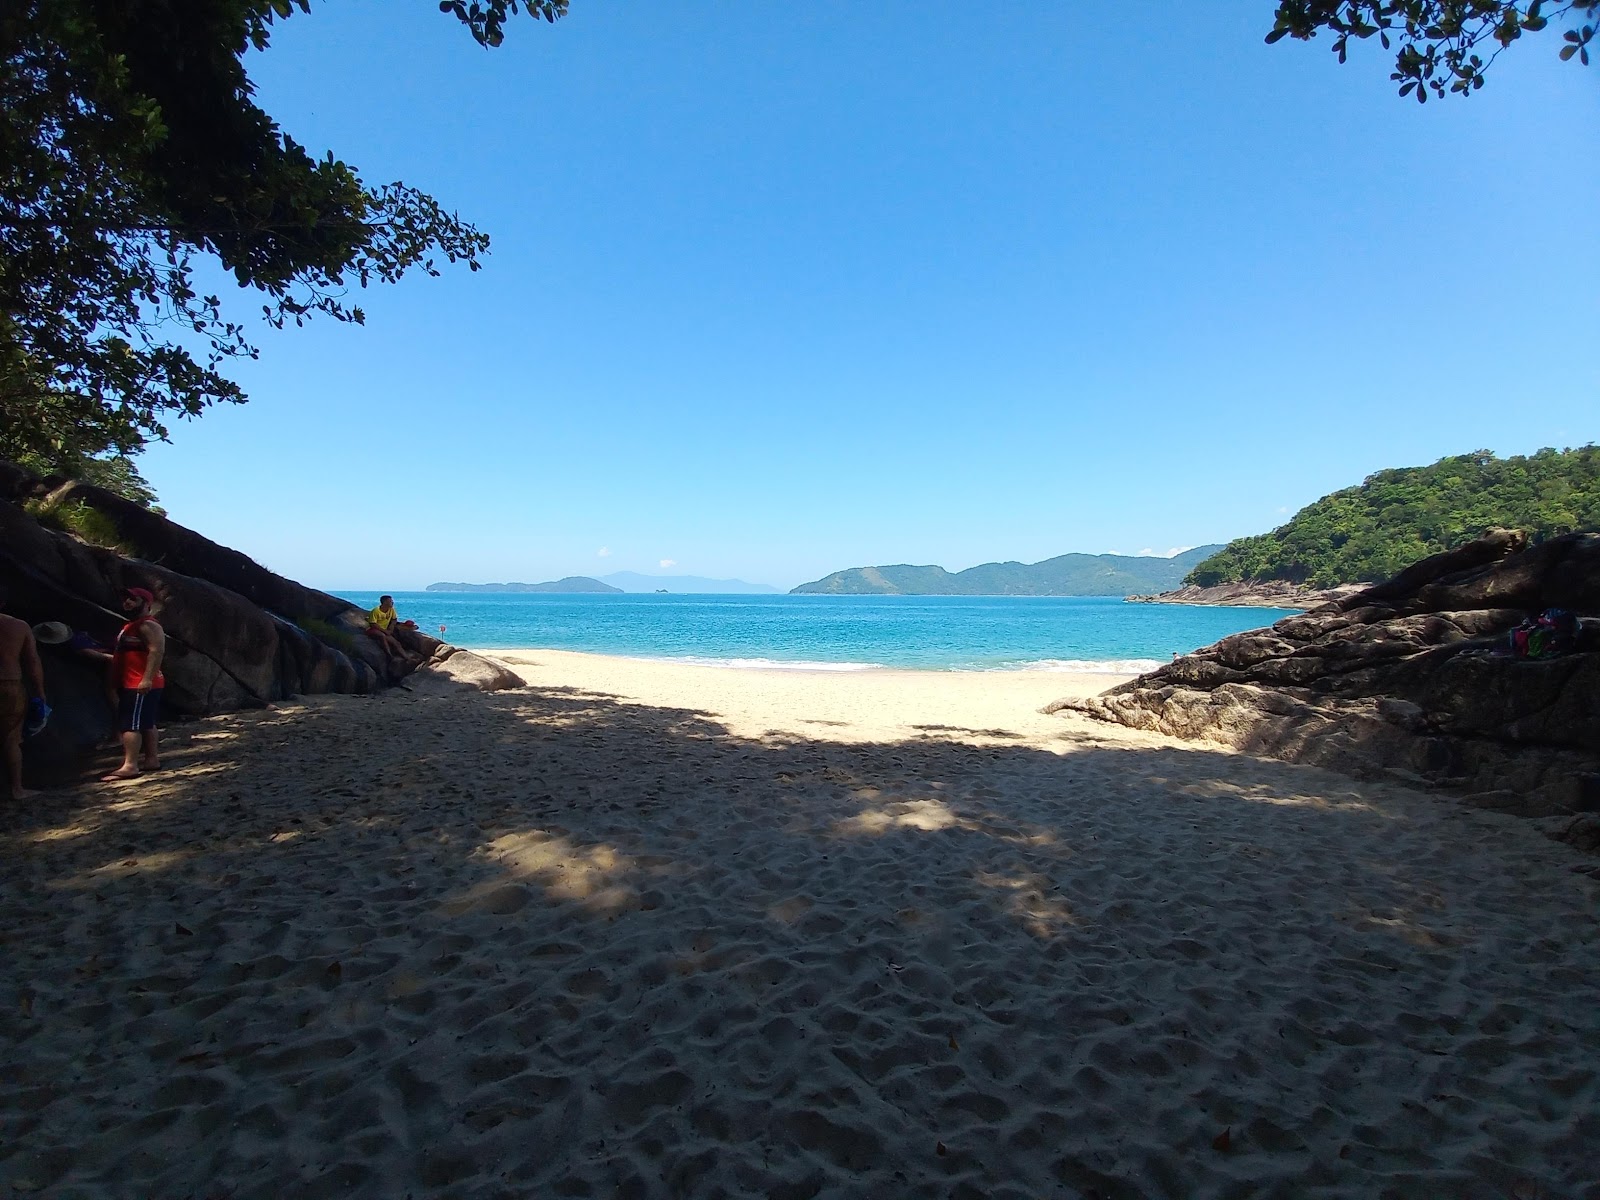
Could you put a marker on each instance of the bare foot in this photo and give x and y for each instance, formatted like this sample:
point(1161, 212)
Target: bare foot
point(23, 793)
point(149, 764)
point(121, 773)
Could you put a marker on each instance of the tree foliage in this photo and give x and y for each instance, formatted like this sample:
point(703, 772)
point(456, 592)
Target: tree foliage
point(1367, 533)
point(1441, 43)
point(130, 150)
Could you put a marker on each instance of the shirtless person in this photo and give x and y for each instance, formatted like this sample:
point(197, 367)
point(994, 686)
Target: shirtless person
point(136, 670)
point(19, 667)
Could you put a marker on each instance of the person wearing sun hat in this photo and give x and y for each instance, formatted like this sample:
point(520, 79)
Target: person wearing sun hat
point(19, 667)
point(136, 671)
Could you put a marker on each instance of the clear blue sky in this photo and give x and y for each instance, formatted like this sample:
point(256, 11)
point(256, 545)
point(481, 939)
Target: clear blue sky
point(781, 289)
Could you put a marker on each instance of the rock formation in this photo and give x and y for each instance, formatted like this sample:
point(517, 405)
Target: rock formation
point(1409, 678)
point(238, 635)
point(1253, 593)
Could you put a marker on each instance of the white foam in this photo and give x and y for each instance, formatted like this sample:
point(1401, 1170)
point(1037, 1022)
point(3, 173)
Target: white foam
point(772, 664)
point(1085, 666)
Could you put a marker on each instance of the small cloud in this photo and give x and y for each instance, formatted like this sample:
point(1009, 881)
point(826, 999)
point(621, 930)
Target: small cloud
point(668, 562)
point(1283, 508)
point(1147, 552)
point(1177, 550)
point(603, 552)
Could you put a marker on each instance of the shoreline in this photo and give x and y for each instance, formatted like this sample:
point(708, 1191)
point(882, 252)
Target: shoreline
point(1114, 670)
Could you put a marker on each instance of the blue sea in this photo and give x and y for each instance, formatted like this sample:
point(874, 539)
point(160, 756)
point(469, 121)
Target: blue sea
point(834, 633)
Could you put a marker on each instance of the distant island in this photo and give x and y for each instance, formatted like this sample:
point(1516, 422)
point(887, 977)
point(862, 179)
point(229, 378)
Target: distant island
point(633, 581)
point(572, 583)
point(619, 582)
point(1396, 517)
point(1067, 575)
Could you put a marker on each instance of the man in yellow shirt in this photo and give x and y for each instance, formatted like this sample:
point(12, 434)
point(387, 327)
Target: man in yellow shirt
point(381, 624)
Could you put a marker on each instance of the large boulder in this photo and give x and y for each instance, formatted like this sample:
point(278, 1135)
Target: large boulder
point(238, 635)
point(451, 669)
point(1408, 677)
point(223, 652)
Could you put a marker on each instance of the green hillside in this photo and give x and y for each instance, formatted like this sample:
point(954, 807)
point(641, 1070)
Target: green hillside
point(1068, 575)
point(1369, 532)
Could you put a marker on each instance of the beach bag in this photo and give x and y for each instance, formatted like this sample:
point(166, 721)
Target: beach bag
point(38, 717)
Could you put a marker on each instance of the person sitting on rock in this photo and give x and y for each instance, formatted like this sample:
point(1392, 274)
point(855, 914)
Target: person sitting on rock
point(382, 624)
point(20, 672)
point(136, 671)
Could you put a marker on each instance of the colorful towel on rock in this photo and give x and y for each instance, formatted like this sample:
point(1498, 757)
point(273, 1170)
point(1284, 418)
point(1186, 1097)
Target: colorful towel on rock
point(1552, 633)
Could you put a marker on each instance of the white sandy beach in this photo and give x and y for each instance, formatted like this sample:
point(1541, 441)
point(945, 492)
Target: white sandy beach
point(647, 929)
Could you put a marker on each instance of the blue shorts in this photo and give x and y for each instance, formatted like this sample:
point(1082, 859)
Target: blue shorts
point(138, 711)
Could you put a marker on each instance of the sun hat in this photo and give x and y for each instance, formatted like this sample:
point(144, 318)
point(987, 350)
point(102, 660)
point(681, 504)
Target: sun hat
point(52, 633)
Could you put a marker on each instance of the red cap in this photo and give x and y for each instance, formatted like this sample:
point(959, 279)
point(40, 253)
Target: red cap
point(141, 594)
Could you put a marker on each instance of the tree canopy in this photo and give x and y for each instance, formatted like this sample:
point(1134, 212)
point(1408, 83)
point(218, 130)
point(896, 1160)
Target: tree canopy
point(1369, 532)
point(1439, 41)
point(130, 148)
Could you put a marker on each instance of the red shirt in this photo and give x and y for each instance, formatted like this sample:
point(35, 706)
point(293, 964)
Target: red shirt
point(133, 656)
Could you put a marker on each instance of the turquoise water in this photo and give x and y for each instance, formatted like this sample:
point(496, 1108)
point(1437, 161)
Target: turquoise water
point(963, 633)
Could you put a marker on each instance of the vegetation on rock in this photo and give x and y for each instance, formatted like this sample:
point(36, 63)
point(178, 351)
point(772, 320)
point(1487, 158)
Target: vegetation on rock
point(1394, 518)
point(80, 520)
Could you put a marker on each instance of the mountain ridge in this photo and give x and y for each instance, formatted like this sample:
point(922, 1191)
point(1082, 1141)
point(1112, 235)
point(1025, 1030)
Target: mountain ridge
point(1065, 575)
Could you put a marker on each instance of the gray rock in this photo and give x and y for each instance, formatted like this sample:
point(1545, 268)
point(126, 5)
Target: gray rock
point(1406, 680)
point(1254, 593)
point(238, 635)
point(451, 669)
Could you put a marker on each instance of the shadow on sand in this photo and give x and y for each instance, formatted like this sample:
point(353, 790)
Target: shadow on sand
point(552, 942)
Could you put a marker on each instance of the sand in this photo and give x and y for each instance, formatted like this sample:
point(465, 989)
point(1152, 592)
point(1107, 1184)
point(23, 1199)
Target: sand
point(643, 929)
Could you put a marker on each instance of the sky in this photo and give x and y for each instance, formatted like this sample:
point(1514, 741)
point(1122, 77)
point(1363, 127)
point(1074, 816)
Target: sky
point(777, 290)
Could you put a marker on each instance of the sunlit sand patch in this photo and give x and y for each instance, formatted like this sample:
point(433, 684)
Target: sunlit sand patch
point(1403, 923)
point(1218, 789)
point(122, 868)
point(926, 815)
point(791, 910)
point(132, 803)
point(1032, 900)
point(557, 865)
point(1045, 838)
point(64, 833)
point(1313, 802)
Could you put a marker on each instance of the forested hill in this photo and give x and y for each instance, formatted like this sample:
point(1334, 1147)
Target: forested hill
point(1068, 575)
point(1393, 518)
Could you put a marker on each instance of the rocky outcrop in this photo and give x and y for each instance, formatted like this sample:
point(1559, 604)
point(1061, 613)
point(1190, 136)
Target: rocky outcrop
point(450, 669)
point(238, 635)
point(1408, 678)
point(1253, 593)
